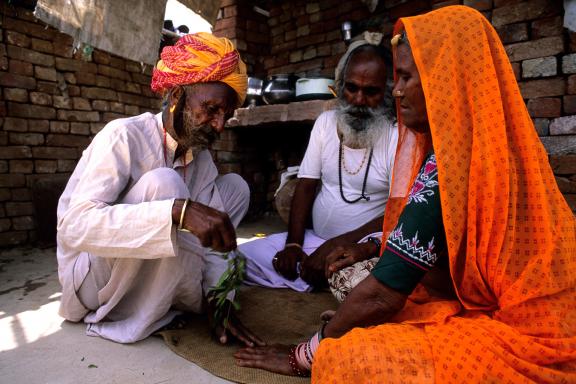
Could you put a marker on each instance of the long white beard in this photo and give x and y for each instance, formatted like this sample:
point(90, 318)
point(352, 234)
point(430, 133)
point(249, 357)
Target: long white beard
point(361, 132)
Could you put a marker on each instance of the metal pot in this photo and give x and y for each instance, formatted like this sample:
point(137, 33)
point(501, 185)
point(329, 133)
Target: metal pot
point(279, 89)
point(254, 92)
point(314, 88)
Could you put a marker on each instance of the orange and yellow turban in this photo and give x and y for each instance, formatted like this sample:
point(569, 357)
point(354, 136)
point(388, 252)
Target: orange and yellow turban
point(200, 58)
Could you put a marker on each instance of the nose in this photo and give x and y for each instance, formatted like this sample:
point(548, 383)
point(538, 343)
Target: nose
point(398, 90)
point(218, 122)
point(359, 98)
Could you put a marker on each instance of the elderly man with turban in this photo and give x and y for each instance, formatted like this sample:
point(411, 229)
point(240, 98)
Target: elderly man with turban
point(145, 214)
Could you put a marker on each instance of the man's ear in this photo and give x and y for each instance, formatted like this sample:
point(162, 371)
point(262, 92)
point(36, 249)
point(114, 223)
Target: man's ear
point(175, 96)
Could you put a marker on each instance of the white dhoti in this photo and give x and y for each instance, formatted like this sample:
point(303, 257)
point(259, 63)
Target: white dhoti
point(129, 298)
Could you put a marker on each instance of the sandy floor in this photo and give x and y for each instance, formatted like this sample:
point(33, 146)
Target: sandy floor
point(38, 346)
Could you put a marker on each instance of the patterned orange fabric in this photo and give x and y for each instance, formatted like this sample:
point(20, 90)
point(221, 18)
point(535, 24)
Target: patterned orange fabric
point(200, 58)
point(511, 236)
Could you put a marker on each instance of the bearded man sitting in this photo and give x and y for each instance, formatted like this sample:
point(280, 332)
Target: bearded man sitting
point(145, 209)
point(350, 157)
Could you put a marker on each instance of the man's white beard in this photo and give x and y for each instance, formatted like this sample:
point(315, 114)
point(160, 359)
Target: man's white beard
point(360, 131)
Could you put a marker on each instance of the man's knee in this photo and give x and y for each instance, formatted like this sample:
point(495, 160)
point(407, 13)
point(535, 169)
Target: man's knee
point(158, 184)
point(235, 195)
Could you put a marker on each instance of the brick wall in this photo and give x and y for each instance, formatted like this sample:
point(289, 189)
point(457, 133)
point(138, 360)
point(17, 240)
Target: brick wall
point(52, 102)
point(304, 38)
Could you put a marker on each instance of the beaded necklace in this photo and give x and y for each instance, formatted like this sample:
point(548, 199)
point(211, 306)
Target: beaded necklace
point(340, 160)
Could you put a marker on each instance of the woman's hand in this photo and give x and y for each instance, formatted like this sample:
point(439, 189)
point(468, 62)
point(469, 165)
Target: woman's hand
point(231, 326)
point(273, 358)
point(345, 255)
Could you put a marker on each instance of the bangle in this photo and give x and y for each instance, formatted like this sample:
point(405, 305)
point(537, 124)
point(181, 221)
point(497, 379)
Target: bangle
point(376, 241)
point(294, 364)
point(292, 245)
point(182, 214)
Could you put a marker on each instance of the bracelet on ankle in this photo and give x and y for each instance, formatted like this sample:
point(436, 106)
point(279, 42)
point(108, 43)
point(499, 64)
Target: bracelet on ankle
point(182, 214)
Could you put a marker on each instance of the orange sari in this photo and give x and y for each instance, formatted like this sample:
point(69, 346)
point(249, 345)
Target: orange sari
point(511, 236)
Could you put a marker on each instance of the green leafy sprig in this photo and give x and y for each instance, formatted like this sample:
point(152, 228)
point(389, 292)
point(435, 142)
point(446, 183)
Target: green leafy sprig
point(230, 280)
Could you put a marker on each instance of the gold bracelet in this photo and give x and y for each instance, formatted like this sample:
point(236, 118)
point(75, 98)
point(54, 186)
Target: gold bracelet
point(182, 214)
point(292, 245)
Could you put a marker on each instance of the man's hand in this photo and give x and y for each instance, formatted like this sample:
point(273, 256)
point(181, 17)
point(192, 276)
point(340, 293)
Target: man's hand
point(313, 267)
point(212, 227)
point(345, 255)
point(231, 327)
point(285, 262)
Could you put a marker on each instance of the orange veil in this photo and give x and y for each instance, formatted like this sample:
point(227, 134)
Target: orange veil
point(511, 236)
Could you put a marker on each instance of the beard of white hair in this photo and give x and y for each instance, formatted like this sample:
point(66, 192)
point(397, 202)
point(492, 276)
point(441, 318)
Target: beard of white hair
point(360, 127)
point(196, 137)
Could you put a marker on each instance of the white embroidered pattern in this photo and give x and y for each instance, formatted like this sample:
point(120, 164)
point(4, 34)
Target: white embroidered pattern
point(411, 247)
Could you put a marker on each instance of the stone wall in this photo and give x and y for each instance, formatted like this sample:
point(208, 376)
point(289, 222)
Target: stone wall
point(304, 37)
point(52, 102)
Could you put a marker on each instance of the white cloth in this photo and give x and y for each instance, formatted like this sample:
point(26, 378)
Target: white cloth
point(115, 224)
point(331, 216)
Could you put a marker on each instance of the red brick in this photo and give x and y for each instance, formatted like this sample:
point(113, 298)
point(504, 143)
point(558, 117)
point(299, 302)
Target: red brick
point(12, 238)
point(16, 81)
point(48, 87)
point(45, 166)
point(99, 93)
point(42, 46)
point(109, 116)
point(481, 5)
point(528, 10)
point(119, 85)
point(70, 78)
point(20, 68)
point(118, 63)
point(96, 127)
point(66, 165)
point(17, 39)
point(21, 194)
point(12, 180)
point(74, 90)
point(569, 103)
point(30, 56)
point(100, 105)
point(117, 107)
point(63, 50)
point(15, 125)
point(82, 104)
point(128, 98)
point(19, 209)
point(131, 66)
point(550, 26)
point(513, 33)
point(53, 153)
point(563, 165)
point(39, 126)
point(5, 194)
point(80, 128)
point(542, 88)
point(133, 88)
point(132, 110)
point(21, 166)
point(78, 115)
point(112, 72)
point(59, 127)
point(547, 46)
point(73, 65)
point(5, 225)
point(23, 223)
point(45, 73)
point(101, 57)
point(103, 82)
point(408, 9)
point(67, 140)
point(31, 111)
point(26, 139)
point(40, 98)
point(62, 102)
point(31, 29)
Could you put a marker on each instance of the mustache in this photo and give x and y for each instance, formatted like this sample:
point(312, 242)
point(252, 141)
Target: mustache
point(360, 117)
point(198, 135)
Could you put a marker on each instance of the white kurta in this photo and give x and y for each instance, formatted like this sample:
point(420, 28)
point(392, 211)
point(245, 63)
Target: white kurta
point(331, 216)
point(142, 265)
